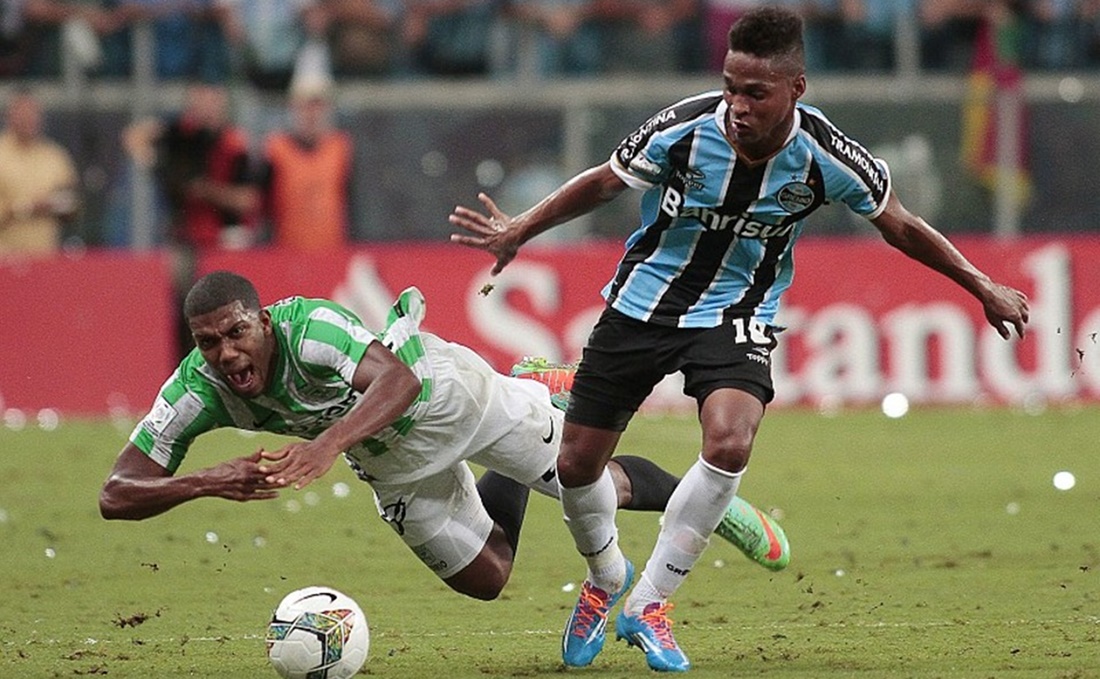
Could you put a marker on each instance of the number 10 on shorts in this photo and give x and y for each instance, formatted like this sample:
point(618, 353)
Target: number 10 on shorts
point(756, 331)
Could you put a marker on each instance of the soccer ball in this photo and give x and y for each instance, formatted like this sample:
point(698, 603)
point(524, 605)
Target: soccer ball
point(317, 633)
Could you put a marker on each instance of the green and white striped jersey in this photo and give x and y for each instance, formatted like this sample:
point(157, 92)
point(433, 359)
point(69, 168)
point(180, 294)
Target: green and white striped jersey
point(320, 344)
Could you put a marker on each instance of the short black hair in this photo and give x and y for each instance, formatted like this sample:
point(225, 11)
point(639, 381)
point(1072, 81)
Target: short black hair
point(769, 32)
point(218, 288)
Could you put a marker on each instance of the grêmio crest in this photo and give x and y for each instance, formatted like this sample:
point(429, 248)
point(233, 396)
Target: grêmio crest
point(795, 197)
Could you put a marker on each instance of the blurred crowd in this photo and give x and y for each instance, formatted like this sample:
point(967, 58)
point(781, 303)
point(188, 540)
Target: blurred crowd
point(212, 187)
point(266, 40)
point(289, 175)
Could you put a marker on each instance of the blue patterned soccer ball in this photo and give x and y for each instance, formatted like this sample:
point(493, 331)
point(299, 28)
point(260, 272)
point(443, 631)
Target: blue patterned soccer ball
point(317, 633)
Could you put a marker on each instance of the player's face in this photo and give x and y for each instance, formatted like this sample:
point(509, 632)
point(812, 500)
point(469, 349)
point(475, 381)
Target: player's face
point(239, 344)
point(761, 95)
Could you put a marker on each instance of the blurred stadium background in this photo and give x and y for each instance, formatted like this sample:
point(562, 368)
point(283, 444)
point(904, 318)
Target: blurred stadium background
point(937, 537)
point(1001, 163)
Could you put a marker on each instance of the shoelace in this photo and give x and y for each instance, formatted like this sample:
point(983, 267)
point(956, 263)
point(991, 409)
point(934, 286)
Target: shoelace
point(657, 620)
point(590, 608)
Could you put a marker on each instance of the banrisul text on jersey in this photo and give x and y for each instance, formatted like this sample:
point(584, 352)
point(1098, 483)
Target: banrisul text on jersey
point(716, 236)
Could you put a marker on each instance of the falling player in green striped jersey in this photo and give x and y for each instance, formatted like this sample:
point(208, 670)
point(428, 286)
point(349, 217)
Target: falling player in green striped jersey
point(407, 409)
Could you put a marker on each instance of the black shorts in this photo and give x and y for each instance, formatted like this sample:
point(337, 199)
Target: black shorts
point(625, 358)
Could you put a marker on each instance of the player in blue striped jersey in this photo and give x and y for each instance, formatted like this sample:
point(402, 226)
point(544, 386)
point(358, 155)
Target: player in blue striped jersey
point(727, 178)
point(407, 410)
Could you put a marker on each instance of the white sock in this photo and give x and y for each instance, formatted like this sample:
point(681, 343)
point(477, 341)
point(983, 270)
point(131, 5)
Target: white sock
point(590, 516)
point(643, 594)
point(693, 512)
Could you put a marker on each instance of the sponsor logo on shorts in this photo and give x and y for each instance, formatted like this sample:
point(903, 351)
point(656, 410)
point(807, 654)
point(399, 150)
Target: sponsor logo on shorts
point(763, 360)
point(394, 514)
point(549, 437)
point(430, 560)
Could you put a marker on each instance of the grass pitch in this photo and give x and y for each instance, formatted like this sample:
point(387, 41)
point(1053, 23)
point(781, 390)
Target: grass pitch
point(930, 546)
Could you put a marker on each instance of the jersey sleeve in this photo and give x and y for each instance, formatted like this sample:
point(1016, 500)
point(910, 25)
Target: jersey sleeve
point(641, 159)
point(868, 197)
point(402, 332)
point(643, 170)
point(852, 174)
point(178, 415)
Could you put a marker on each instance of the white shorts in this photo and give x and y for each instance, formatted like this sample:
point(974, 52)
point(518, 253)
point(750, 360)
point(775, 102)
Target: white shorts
point(424, 487)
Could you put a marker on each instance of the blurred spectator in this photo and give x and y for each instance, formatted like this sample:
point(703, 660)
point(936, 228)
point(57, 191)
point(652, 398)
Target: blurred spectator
point(306, 173)
point(16, 38)
point(546, 38)
point(825, 44)
point(948, 29)
point(718, 16)
point(38, 182)
point(449, 37)
point(868, 42)
point(1090, 32)
point(188, 38)
point(1057, 33)
point(363, 36)
point(823, 33)
point(266, 36)
point(74, 28)
point(651, 36)
point(870, 31)
point(200, 161)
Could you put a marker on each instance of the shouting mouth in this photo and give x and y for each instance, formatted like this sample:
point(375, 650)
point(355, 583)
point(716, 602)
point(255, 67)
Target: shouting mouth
point(242, 381)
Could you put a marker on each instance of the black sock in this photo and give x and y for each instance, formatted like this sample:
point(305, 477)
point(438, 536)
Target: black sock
point(651, 486)
point(506, 502)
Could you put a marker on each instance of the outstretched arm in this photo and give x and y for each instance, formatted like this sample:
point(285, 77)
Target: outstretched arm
point(388, 386)
point(139, 488)
point(502, 236)
point(1005, 308)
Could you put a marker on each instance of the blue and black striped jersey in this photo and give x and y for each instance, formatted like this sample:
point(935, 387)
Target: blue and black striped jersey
point(717, 232)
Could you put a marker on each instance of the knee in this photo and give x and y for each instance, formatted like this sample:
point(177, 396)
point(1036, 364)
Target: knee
point(729, 449)
point(577, 470)
point(486, 587)
point(584, 454)
point(484, 577)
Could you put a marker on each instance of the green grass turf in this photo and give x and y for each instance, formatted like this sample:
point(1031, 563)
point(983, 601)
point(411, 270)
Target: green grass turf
point(930, 546)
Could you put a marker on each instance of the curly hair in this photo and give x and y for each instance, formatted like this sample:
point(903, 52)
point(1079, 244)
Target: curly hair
point(769, 32)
